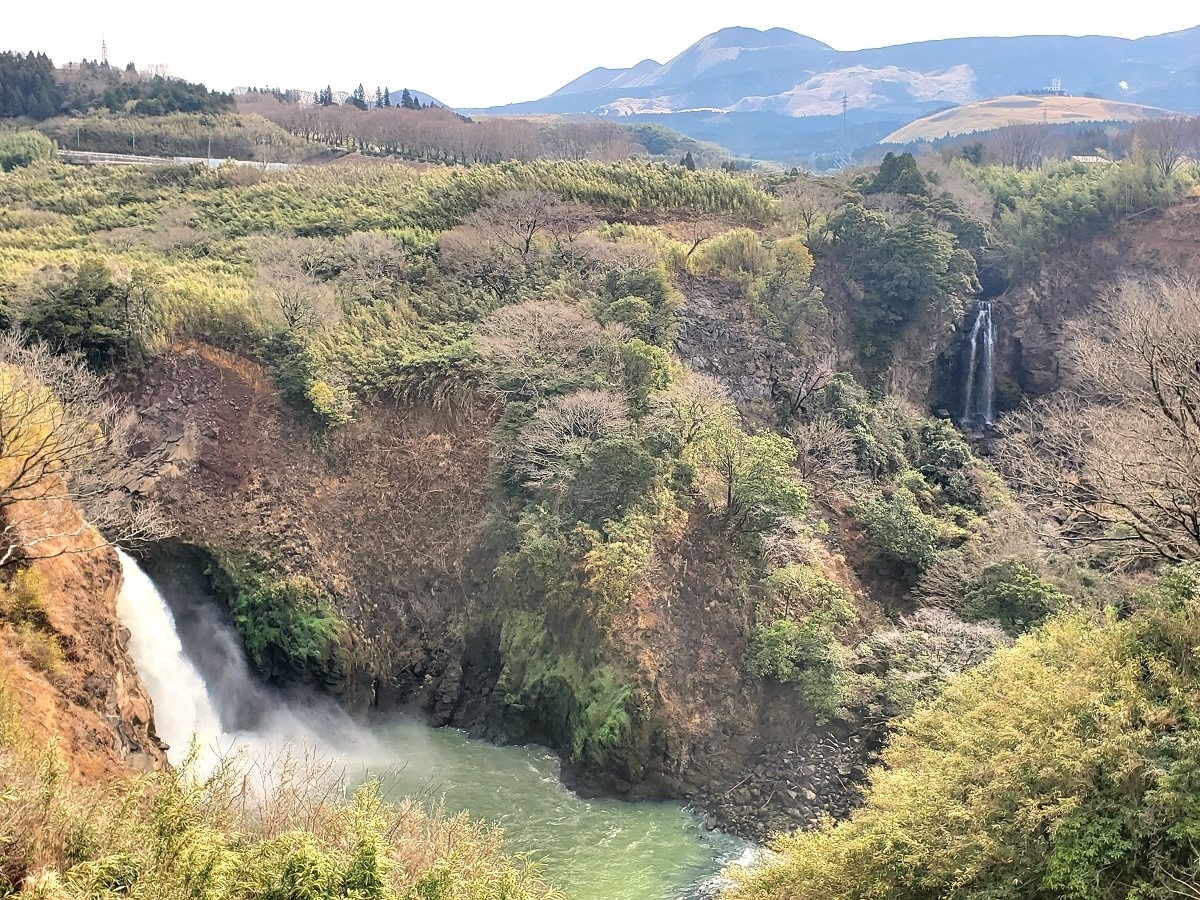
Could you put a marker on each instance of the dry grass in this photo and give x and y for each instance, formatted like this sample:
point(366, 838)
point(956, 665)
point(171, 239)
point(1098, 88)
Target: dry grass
point(984, 115)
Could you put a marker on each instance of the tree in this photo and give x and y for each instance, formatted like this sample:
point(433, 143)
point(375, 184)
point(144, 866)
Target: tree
point(82, 311)
point(688, 162)
point(514, 219)
point(286, 277)
point(536, 349)
point(1116, 454)
point(387, 97)
point(1022, 146)
point(23, 148)
point(63, 441)
point(553, 446)
point(1165, 142)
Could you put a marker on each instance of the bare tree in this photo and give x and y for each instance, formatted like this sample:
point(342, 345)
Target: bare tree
point(1022, 146)
point(63, 441)
point(287, 278)
point(1116, 458)
point(690, 405)
point(535, 348)
point(808, 203)
point(1165, 142)
point(825, 452)
point(549, 449)
point(514, 219)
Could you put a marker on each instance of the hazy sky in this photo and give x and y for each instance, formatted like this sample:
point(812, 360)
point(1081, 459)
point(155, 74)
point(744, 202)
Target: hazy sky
point(483, 53)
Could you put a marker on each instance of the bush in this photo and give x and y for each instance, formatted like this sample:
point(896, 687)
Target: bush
point(1014, 595)
point(258, 828)
point(24, 148)
point(1066, 766)
point(84, 311)
point(900, 532)
point(806, 654)
point(286, 623)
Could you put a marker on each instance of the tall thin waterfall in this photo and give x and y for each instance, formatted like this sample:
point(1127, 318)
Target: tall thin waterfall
point(979, 385)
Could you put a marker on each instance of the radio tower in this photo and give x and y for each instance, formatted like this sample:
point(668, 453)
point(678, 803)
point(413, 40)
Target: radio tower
point(103, 52)
point(843, 156)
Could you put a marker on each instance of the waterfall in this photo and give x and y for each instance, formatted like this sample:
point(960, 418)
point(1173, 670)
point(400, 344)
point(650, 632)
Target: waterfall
point(182, 707)
point(200, 682)
point(979, 385)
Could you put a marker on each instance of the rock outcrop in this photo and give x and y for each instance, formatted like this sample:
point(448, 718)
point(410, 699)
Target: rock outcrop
point(91, 699)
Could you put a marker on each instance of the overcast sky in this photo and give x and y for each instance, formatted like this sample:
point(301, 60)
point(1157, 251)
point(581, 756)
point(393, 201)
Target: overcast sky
point(484, 53)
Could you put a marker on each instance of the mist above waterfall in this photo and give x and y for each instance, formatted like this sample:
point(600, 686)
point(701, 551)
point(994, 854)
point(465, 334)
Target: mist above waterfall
point(201, 684)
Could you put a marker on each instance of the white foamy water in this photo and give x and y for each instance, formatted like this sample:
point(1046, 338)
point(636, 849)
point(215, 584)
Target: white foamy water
point(182, 707)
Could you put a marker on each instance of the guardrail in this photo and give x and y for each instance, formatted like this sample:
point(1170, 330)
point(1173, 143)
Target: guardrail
point(90, 158)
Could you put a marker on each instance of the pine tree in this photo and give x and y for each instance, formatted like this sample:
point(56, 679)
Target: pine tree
point(387, 96)
point(378, 97)
point(688, 163)
point(406, 100)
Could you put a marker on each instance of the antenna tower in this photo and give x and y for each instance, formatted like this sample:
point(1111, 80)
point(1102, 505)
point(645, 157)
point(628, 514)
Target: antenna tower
point(103, 52)
point(844, 158)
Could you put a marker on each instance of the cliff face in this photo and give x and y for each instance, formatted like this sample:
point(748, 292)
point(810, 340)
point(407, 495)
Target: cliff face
point(87, 694)
point(1036, 320)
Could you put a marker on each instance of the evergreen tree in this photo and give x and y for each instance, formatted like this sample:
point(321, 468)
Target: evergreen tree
point(378, 97)
point(406, 100)
point(387, 96)
point(688, 162)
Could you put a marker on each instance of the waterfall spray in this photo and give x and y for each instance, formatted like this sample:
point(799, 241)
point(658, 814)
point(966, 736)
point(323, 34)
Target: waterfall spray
point(182, 707)
point(202, 687)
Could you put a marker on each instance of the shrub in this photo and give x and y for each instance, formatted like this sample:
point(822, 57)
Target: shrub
point(83, 311)
point(24, 148)
point(1065, 766)
point(900, 532)
point(806, 654)
point(1014, 595)
point(286, 623)
point(22, 601)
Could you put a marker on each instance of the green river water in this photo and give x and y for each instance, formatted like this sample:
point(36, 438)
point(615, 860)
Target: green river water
point(601, 849)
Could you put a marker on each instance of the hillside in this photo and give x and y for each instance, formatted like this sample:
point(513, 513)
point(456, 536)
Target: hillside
point(718, 485)
point(984, 115)
point(739, 83)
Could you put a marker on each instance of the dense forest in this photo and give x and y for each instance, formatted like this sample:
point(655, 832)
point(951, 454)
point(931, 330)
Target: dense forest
point(755, 374)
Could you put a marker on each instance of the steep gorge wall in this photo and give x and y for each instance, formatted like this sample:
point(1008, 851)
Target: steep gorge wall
point(1035, 320)
point(387, 515)
point(92, 700)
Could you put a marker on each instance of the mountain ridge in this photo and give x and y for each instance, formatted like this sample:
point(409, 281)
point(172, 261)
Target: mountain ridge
point(727, 78)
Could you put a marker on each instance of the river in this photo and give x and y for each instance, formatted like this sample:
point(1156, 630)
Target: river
point(202, 687)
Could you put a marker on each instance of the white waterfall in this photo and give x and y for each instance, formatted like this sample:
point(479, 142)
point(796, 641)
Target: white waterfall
point(182, 707)
point(207, 691)
point(979, 385)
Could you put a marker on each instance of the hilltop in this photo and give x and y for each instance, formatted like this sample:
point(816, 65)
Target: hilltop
point(984, 115)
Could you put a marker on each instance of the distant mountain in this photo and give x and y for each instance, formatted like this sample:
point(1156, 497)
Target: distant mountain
point(719, 86)
point(419, 96)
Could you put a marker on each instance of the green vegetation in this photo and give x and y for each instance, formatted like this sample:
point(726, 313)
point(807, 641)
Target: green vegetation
point(175, 834)
point(24, 148)
point(1037, 210)
point(33, 89)
point(287, 624)
point(871, 567)
point(1064, 767)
